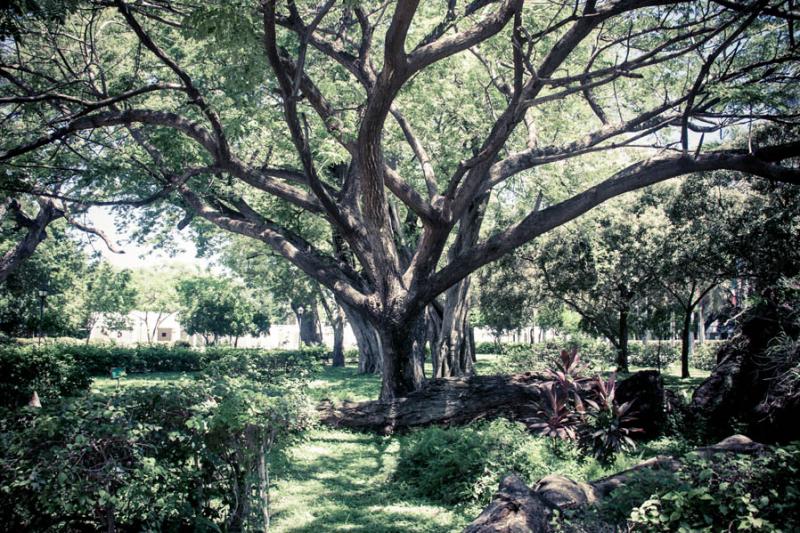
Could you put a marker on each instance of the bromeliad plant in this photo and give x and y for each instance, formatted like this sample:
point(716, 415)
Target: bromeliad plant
point(575, 407)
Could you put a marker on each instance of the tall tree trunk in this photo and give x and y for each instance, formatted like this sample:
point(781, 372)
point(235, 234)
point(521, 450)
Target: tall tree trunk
point(452, 351)
point(403, 347)
point(701, 325)
point(337, 323)
point(308, 322)
point(370, 354)
point(686, 341)
point(622, 347)
point(335, 316)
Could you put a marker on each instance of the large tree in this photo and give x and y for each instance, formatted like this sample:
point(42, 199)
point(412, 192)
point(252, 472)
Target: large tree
point(224, 107)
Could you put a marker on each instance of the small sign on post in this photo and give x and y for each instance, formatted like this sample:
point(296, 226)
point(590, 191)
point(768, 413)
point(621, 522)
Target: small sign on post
point(116, 373)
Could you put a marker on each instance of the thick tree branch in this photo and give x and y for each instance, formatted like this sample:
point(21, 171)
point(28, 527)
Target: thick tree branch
point(760, 163)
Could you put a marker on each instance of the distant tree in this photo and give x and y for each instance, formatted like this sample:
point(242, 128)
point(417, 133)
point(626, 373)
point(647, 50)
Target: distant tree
point(507, 295)
point(601, 268)
point(110, 296)
point(216, 307)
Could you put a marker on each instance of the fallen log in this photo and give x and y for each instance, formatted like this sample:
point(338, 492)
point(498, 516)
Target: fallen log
point(458, 401)
point(516, 508)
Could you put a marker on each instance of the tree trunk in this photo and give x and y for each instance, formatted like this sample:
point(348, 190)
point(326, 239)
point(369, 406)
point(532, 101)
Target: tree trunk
point(452, 352)
point(403, 357)
point(370, 353)
point(36, 232)
point(308, 322)
point(701, 325)
point(622, 347)
point(686, 342)
point(337, 322)
point(455, 401)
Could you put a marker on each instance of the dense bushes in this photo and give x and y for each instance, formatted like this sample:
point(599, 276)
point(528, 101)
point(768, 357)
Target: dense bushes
point(57, 370)
point(523, 357)
point(465, 465)
point(730, 492)
point(265, 366)
point(705, 355)
point(49, 372)
point(177, 457)
point(653, 354)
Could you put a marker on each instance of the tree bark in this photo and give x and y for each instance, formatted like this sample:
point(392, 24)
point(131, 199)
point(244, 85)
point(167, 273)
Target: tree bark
point(457, 401)
point(370, 353)
point(686, 342)
point(622, 347)
point(335, 316)
point(701, 325)
point(453, 352)
point(403, 347)
point(338, 335)
point(36, 232)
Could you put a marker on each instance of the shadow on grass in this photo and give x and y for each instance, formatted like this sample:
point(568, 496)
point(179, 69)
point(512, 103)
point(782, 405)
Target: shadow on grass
point(340, 481)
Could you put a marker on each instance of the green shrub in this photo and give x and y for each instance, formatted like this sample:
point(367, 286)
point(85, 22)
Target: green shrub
point(46, 370)
point(489, 347)
point(653, 354)
point(265, 366)
point(182, 457)
point(704, 356)
point(466, 464)
point(728, 492)
point(522, 357)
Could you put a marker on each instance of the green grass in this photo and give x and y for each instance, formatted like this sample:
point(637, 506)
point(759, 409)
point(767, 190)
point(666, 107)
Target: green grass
point(340, 481)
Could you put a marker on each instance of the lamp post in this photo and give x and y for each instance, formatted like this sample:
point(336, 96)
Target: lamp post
point(300, 311)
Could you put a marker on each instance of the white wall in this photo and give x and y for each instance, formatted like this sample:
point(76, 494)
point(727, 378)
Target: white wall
point(285, 336)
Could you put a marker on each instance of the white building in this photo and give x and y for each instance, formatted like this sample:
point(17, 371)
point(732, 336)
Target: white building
point(146, 327)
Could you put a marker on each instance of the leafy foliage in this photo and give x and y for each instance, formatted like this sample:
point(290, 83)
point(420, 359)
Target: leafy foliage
point(218, 307)
point(48, 371)
point(736, 492)
point(182, 456)
point(573, 410)
point(463, 465)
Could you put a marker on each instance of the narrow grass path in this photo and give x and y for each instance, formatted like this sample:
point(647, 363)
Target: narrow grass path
point(340, 481)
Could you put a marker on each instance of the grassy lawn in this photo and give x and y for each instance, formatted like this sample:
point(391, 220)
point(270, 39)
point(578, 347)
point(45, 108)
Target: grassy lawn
point(335, 480)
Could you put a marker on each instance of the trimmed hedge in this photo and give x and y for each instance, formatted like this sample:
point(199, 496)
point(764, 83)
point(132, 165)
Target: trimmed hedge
point(653, 354)
point(55, 371)
point(48, 371)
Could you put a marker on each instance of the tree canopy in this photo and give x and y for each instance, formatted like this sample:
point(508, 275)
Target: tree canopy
point(389, 125)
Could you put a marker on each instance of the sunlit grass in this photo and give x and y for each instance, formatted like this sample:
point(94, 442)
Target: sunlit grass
point(340, 481)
